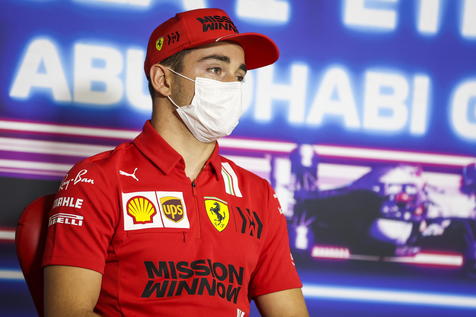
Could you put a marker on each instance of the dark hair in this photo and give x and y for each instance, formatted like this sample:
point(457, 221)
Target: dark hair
point(175, 62)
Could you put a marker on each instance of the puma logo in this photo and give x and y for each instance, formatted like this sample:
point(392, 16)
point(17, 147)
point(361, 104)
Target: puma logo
point(133, 175)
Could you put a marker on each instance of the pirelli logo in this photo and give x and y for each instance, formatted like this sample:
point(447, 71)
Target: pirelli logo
point(67, 219)
point(154, 209)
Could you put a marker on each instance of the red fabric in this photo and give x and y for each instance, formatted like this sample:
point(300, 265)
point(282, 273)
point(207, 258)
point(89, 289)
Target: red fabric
point(30, 239)
point(152, 233)
point(200, 27)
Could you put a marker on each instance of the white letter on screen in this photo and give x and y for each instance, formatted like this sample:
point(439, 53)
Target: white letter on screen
point(468, 19)
point(384, 101)
point(294, 93)
point(419, 110)
point(463, 110)
point(136, 84)
point(86, 74)
point(370, 14)
point(143, 3)
point(194, 4)
point(266, 10)
point(334, 98)
point(41, 67)
point(138, 3)
point(429, 16)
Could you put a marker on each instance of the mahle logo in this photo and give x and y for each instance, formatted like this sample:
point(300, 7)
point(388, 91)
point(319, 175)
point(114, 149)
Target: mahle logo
point(172, 208)
point(218, 213)
point(159, 43)
point(141, 209)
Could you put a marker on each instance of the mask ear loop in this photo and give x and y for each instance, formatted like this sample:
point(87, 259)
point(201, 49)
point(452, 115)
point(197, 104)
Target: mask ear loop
point(181, 75)
point(173, 102)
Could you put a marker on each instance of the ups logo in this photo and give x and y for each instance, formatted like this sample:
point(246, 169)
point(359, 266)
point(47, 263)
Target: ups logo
point(172, 208)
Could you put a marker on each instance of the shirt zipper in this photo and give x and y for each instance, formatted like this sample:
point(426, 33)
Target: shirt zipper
point(194, 192)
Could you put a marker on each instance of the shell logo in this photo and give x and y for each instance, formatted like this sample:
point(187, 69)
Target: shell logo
point(141, 209)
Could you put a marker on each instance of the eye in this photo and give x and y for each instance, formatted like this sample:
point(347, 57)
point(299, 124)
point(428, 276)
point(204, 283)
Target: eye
point(215, 70)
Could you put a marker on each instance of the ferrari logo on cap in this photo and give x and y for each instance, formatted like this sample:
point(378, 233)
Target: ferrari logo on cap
point(141, 209)
point(218, 213)
point(159, 43)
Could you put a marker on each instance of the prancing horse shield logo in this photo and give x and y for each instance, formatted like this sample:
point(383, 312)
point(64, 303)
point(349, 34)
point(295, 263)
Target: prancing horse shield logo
point(218, 212)
point(159, 43)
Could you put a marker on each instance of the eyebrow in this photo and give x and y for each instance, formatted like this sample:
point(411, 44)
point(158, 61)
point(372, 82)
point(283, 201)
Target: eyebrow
point(222, 58)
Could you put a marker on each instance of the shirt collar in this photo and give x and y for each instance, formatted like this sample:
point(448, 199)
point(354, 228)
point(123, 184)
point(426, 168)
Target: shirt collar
point(164, 156)
point(215, 161)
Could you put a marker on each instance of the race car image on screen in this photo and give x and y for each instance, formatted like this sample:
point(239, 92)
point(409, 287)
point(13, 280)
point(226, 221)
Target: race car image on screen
point(391, 214)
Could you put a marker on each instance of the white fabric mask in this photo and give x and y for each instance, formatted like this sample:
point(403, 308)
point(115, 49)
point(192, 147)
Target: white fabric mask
point(215, 109)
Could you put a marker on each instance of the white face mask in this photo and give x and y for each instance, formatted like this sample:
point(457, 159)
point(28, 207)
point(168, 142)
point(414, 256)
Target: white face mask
point(215, 109)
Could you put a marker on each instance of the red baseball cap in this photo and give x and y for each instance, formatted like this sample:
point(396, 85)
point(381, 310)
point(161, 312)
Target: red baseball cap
point(200, 27)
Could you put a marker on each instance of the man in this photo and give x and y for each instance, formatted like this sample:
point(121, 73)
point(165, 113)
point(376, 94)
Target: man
point(163, 225)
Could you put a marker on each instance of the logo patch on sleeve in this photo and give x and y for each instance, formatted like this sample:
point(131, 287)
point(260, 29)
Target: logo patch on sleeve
point(218, 213)
point(154, 209)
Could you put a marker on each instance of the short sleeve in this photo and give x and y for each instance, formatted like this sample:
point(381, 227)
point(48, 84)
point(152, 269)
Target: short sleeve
point(82, 220)
point(275, 270)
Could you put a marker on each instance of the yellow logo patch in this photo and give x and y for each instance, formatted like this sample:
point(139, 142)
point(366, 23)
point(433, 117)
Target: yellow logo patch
point(141, 209)
point(159, 43)
point(218, 213)
point(172, 208)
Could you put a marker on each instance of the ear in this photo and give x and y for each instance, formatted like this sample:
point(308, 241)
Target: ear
point(160, 79)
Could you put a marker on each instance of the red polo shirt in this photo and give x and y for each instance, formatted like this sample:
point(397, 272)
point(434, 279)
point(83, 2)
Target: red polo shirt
point(167, 246)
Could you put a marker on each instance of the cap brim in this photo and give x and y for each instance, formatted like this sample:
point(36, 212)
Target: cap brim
point(259, 49)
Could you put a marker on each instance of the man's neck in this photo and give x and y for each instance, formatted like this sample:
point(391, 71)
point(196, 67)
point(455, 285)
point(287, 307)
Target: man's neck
point(176, 134)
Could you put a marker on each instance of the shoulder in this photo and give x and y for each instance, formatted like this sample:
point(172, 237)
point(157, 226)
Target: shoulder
point(248, 181)
point(97, 168)
point(242, 172)
point(106, 159)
